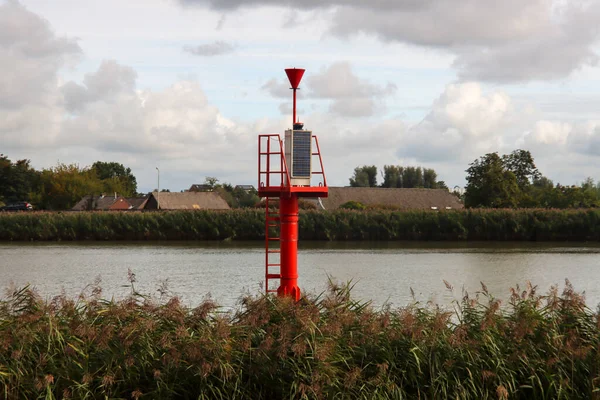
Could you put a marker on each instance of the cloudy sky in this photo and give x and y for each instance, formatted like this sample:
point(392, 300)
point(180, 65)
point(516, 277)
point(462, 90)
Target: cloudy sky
point(187, 85)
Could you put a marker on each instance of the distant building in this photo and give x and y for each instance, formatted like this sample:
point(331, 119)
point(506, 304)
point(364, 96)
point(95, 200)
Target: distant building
point(200, 187)
point(403, 199)
point(186, 201)
point(246, 188)
point(137, 203)
point(102, 203)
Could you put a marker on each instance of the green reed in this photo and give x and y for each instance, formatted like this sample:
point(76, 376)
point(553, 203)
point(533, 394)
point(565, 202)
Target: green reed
point(248, 224)
point(326, 346)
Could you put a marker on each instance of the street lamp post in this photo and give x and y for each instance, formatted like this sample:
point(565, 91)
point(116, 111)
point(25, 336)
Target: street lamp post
point(158, 188)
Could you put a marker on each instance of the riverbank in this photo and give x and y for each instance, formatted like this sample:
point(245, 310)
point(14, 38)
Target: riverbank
point(342, 225)
point(322, 347)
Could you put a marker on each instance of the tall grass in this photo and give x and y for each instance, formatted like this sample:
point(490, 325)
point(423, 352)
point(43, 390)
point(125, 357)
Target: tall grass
point(248, 224)
point(325, 346)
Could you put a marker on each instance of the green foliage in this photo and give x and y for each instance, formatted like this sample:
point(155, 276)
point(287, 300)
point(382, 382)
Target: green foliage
point(410, 177)
point(62, 186)
point(491, 184)
point(325, 346)
point(249, 224)
point(17, 180)
point(353, 205)
point(521, 164)
point(211, 181)
point(306, 205)
point(514, 181)
point(392, 176)
point(116, 178)
point(365, 176)
point(237, 197)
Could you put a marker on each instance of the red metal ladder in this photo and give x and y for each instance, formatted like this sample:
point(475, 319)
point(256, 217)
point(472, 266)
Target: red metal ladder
point(272, 268)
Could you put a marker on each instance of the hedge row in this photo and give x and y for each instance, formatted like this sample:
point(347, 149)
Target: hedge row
point(248, 224)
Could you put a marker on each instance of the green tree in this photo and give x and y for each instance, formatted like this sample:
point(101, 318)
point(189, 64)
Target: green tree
point(440, 185)
point(412, 177)
point(490, 184)
point(365, 176)
point(237, 197)
point(17, 180)
point(392, 176)
point(520, 162)
point(116, 178)
point(212, 182)
point(61, 187)
point(429, 178)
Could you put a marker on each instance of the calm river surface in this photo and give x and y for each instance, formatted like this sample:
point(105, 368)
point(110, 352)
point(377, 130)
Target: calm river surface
point(382, 272)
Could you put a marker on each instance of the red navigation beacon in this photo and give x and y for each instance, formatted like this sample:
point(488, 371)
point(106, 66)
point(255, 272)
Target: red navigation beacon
point(285, 173)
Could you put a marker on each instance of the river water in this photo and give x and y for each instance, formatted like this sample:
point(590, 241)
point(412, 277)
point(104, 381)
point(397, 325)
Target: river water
point(381, 272)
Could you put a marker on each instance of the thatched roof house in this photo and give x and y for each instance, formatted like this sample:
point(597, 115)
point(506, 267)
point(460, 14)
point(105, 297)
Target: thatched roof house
point(404, 199)
point(101, 203)
point(186, 201)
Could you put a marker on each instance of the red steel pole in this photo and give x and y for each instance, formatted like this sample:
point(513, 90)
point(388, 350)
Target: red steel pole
point(294, 116)
point(288, 218)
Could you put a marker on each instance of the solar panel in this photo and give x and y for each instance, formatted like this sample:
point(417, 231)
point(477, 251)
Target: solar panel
point(301, 154)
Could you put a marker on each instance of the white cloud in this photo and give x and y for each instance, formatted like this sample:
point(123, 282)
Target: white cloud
point(176, 125)
point(584, 138)
point(466, 123)
point(506, 41)
point(111, 80)
point(106, 115)
point(548, 134)
point(110, 114)
point(30, 55)
point(463, 122)
point(350, 96)
point(216, 48)
point(280, 88)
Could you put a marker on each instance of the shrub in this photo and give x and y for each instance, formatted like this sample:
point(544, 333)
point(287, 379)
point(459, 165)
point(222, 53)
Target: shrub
point(352, 205)
point(249, 224)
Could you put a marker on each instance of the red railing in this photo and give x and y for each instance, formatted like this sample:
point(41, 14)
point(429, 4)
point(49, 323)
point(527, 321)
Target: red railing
point(318, 153)
point(265, 152)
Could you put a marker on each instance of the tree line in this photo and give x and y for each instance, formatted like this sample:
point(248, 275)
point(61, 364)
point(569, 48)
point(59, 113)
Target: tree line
point(396, 176)
point(513, 181)
point(493, 181)
point(60, 187)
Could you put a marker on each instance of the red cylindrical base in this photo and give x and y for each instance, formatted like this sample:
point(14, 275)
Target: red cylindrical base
point(288, 218)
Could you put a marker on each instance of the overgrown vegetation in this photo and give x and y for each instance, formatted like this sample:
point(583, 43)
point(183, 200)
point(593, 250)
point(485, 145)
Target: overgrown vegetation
point(62, 186)
point(249, 224)
point(514, 181)
point(326, 346)
point(353, 205)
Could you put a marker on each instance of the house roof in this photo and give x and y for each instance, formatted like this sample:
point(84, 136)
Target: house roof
point(137, 203)
point(83, 204)
point(408, 199)
point(200, 187)
point(191, 201)
point(104, 202)
point(90, 202)
point(245, 187)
